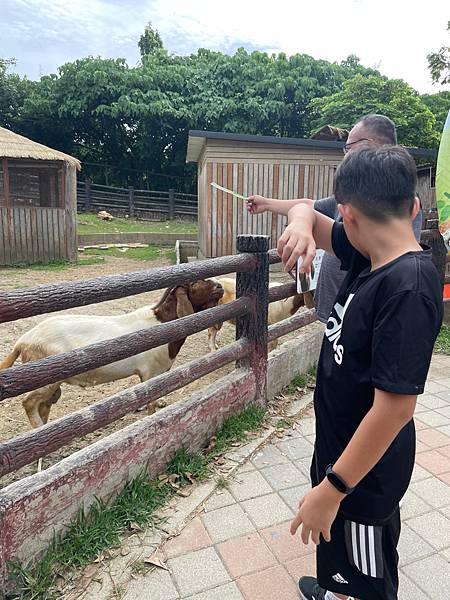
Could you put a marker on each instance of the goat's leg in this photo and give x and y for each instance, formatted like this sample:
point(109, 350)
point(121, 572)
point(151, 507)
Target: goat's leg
point(212, 335)
point(37, 406)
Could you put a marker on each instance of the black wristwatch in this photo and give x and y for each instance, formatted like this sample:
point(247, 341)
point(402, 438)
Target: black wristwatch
point(337, 481)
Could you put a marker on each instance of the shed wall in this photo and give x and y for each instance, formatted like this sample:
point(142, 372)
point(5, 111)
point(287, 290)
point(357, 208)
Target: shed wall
point(278, 172)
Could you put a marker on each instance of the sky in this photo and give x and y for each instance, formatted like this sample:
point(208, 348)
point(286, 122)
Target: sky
point(393, 36)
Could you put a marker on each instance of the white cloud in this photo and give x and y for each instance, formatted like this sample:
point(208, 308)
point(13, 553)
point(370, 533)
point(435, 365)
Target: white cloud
point(395, 36)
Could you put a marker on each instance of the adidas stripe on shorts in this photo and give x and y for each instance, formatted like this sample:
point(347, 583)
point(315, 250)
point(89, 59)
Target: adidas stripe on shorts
point(361, 560)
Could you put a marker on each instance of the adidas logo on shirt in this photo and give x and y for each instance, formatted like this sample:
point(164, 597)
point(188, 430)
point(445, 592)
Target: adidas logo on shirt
point(334, 328)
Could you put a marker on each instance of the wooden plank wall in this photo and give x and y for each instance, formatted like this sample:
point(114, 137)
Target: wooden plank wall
point(222, 217)
point(32, 235)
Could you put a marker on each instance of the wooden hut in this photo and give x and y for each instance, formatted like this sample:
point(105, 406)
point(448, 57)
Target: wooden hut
point(249, 164)
point(38, 203)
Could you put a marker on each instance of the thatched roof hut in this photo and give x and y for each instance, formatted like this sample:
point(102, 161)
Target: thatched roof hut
point(37, 201)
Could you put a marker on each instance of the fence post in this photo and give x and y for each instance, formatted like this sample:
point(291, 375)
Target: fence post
point(87, 195)
point(131, 201)
point(253, 326)
point(171, 204)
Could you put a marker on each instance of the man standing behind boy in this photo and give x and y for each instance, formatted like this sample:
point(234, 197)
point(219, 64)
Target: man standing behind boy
point(371, 130)
point(374, 361)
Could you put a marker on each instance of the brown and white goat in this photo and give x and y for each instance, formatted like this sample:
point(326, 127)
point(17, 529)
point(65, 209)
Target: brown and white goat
point(278, 311)
point(64, 333)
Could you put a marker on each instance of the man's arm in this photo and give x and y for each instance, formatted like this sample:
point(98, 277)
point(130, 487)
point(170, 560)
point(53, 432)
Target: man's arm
point(376, 432)
point(307, 229)
point(259, 204)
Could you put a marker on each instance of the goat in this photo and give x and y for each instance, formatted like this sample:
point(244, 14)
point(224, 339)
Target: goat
point(279, 310)
point(64, 333)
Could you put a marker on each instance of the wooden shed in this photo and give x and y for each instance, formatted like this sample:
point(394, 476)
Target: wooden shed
point(38, 204)
point(249, 164)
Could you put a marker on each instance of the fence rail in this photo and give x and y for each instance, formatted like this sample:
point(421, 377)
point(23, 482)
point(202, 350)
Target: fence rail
point(250, 350)
point(134, 202)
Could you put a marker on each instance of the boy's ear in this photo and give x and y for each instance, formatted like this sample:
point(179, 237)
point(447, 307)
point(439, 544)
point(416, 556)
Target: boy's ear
point(346, 212)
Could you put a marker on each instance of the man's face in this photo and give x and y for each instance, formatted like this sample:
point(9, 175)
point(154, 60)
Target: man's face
point(357, 138)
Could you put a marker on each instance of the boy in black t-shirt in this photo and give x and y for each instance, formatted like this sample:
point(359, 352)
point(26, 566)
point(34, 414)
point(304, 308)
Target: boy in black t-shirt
point(374, 361)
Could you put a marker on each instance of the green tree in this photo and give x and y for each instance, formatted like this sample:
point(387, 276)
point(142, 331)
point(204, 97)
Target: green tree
point(13, 90)
point(439, 63)
point(150, 41)
point(375, 94)
point(439, 104)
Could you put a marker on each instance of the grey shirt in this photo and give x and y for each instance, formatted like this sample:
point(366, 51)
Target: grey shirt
point(331, 276)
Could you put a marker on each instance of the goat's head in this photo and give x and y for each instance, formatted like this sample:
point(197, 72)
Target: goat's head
point(188, 299)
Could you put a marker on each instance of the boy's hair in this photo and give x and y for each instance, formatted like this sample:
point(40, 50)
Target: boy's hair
point(380, 182)
point(380, 127)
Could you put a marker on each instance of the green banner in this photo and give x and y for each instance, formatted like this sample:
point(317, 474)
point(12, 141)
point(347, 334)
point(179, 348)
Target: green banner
point(443, 184)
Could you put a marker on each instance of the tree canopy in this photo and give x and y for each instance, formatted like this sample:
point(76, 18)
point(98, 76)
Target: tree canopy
point(136, 119)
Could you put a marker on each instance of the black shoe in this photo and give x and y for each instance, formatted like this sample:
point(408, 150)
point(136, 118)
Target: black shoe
point(310, 590)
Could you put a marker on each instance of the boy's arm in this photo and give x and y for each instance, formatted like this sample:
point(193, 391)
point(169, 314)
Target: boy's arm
point(307, 229)
point(376, 432)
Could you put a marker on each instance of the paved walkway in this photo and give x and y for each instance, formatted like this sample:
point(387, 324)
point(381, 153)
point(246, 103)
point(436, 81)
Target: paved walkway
point(238, 547)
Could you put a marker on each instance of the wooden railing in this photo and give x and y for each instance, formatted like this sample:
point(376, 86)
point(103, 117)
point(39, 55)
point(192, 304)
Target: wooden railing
point(250, 350)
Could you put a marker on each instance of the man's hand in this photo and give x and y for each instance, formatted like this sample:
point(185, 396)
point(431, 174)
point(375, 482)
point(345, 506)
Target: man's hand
point(317, 511)
point(297, 242)
point(257, 204)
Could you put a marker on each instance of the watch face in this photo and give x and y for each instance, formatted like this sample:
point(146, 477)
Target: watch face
point(338, 484)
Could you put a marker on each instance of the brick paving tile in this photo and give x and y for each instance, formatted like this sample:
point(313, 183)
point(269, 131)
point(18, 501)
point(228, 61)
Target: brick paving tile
point(270, 455)
point(292, 495)
point(298, 447)
point(445, 477)
point(228, 522)
point(193, 537)
point(246, 554)
point(413, 506)
point(445, 450)
point(198, 571)
point(250, 485)
point(409, 590)
point(419, 473)
point(284, 476)
point(432, 575)
point(433, 491)
point(229, 591)
point(285, 546)
point(411, 546)
point(219, 499)
point(432, 401)
point(302, 566)
point(433, 527)
point(271, 584)
point(267, 510)
point(434, 461)
point(419, 424)
point(421, 447)
point(157, 585)
point(434, 419)
point(433, 438)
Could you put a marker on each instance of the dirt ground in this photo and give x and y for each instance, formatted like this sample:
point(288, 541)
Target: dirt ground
point(13, 420)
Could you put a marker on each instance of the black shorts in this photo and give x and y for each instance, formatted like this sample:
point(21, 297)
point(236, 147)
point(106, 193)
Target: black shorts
point(360, 560)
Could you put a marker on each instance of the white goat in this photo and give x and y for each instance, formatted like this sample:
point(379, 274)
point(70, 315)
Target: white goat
point(64, 333)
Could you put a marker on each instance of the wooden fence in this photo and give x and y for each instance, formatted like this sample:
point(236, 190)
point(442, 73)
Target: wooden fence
point(151, 204)
point(249, 309)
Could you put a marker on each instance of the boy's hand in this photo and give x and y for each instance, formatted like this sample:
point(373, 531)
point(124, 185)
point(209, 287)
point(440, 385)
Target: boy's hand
point(295, 242)
point(317, 511)
point(257, 204)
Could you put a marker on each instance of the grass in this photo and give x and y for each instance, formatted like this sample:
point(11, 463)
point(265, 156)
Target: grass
point(147, 253)
point(56, 265)
point(303, 380)
point(88, 223)
point(103, 525)
point(442, 345)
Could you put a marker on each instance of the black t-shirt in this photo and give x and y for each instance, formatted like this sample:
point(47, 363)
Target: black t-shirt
point(380, 334)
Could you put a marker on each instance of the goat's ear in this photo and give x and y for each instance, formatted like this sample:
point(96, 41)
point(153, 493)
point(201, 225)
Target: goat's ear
point(184, 306)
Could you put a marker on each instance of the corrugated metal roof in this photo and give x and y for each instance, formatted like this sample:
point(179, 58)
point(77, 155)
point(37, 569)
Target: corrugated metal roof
point(197, 139)
point(13, 145)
